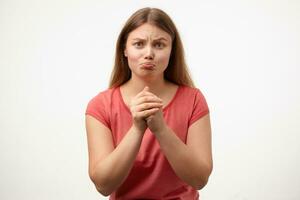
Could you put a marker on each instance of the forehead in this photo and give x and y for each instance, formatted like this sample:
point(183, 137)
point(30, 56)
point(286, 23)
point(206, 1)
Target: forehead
point(148, 31)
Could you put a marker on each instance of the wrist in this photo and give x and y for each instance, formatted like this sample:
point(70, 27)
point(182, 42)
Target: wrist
point(137, 130)
point(161, 130)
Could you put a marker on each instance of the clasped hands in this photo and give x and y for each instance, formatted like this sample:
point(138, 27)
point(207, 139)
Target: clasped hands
point(146, 111)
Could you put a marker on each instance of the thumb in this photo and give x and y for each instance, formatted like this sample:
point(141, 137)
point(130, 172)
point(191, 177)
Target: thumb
point(146, 88)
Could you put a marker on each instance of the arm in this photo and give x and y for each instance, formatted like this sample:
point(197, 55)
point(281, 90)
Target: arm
point(109, 167)
point(192, 162)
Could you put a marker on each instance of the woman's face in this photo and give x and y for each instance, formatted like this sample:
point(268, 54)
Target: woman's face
point(148, 50)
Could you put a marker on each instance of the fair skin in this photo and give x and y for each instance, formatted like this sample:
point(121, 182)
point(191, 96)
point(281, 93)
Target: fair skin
point(146, 93)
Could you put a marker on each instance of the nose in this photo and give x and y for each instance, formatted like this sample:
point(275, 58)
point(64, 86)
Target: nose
point(149, 53)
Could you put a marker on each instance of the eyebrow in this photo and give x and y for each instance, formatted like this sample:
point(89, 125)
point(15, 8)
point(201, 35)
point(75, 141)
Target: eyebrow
point(161, 38)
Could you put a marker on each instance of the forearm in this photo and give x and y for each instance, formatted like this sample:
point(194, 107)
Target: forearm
point(110, 173)
point(188, 166)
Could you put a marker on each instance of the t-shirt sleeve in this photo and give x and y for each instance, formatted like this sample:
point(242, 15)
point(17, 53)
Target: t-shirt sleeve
point(200, 107)
point(97, 108)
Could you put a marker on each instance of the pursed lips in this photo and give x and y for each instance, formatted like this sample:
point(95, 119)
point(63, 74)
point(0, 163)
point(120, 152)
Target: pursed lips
point(148, 64)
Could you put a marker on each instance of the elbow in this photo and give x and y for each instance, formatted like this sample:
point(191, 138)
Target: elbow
point(200, 183)
point(100, 186)
point(202, 180)
point(103, 191)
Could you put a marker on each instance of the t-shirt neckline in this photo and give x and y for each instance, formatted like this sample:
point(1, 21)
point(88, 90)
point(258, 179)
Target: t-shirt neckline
point(164, 109)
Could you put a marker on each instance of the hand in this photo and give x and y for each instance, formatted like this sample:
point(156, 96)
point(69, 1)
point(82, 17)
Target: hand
point(156, 122)
point(143, 105)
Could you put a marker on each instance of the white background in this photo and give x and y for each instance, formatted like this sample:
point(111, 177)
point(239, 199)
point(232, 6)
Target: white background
point(56, 55)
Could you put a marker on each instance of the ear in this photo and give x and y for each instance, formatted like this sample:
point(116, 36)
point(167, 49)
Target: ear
point(125, 53)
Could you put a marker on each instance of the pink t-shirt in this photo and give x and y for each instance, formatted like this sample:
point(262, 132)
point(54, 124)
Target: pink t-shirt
point(151, 176)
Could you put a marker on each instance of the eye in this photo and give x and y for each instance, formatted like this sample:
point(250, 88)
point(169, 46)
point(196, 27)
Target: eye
point(159, 45)
point(138, 44)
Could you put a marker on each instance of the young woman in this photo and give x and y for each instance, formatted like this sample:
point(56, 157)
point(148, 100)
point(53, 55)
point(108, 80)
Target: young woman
point(149, 134)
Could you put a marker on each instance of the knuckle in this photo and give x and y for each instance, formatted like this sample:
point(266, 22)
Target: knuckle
point(134, 110)
point(145, 106)
point(145, 112)
point(134, 115)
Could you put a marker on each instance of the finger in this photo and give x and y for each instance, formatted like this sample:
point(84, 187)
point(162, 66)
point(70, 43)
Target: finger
point(138, 106)
point(146, 113)
point(147, 106)
point(144, 91)
point(146, 88)
point(147, 99)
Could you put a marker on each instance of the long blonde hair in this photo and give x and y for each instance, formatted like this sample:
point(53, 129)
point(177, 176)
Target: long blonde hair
point(176, 71)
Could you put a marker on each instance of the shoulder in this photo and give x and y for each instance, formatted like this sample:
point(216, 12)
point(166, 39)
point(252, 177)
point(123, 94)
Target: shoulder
point(198, 103)
point(188, 92)
point(99, 105)
point(102, 99)
point(193, 95)
point(104, 95)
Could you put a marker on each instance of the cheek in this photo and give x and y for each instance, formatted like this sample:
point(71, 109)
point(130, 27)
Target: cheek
point(164, 57)
point(133, 56)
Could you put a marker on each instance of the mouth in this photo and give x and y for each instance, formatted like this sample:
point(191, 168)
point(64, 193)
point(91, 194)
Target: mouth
point(148, 66)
